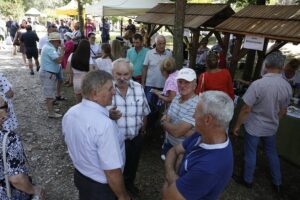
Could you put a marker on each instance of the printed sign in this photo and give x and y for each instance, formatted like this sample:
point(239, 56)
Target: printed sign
point(254, 42)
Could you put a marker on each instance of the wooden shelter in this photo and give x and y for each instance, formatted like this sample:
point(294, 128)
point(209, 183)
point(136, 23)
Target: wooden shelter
point(198, 17)
point(278, 22)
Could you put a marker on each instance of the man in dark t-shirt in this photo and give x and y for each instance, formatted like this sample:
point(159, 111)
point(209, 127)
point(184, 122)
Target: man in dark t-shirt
point(29, 39)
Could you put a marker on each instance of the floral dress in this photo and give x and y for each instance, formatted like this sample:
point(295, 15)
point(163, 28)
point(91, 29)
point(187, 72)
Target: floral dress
point(11, 123)
point(15, 161)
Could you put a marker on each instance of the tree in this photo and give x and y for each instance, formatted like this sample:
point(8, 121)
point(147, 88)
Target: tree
point(12, 8)
point(80, 13)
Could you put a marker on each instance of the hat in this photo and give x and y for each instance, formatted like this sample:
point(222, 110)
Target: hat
point(187, 74)
point(54, 36)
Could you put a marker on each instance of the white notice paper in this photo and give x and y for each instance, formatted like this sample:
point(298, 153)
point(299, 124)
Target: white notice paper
point(254, 42)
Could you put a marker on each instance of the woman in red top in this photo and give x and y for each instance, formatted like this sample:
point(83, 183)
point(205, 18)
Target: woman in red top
point(215, 78)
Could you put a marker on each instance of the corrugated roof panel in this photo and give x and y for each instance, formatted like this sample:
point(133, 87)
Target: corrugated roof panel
point(288, 29)
point(195, 16)
point(270, 12)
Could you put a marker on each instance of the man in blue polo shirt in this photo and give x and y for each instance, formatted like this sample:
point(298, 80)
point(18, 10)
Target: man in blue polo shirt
point(50, 67)
point(207, 162)
point(137, 55)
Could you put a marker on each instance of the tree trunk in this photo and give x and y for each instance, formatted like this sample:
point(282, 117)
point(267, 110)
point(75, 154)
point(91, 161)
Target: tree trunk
point(248, 70)
point(80, 16)
point(178, 32)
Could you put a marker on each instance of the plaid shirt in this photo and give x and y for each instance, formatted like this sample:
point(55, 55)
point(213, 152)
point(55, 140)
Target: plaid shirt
point(134, 107)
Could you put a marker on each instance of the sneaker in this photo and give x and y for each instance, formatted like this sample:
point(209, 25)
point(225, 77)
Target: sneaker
point(32, 72)
point(54, 115)
point(37, 68)
point(240, 180)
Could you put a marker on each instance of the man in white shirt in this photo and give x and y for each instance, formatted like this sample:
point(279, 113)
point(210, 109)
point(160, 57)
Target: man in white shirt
point(94, 143)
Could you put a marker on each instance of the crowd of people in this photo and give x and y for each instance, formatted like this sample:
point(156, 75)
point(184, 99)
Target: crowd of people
point(123, 93)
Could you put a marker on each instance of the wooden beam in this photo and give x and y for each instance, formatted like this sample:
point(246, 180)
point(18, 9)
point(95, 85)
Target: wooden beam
point(194, 48)
point(170, 29)
point(156, 29)
point(235, 55)
point(242, 53)
point(219, 39)
point(261, 55)
point(226, 43)
point(276, 47)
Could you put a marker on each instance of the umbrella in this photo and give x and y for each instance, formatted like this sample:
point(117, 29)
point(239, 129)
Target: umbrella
point(69, 9)
point(33, 12)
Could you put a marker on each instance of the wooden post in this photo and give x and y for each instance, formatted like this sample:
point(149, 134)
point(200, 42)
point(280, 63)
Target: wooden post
point(260, 60)
point(235, 55)
point(178, 32)
point(121, 26)
point(194, 48)
point(248, 70)
point(148, 35)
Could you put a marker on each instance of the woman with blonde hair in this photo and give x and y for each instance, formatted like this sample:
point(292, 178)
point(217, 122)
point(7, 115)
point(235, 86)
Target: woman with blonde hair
point(117, 50)
point(169, 71)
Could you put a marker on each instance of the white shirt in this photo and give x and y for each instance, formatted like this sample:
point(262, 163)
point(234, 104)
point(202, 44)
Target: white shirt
point(104, 64)
point(153, 60)
point(95, 50)
point(43, 41)
point(93, 140)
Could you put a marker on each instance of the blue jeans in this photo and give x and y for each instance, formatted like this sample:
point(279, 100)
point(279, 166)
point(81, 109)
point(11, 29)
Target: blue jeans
point(250, 147)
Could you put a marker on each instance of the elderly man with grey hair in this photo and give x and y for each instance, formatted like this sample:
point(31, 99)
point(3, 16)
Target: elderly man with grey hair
point(265, 102)
point(94, 143)
point(152, 77)
point(130, 109)
point(207, 163)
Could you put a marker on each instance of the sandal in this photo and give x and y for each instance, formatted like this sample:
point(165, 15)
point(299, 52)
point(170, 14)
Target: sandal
point(60, 98)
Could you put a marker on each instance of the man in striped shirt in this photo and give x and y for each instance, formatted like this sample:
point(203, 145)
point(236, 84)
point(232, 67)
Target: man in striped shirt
point(130, 109)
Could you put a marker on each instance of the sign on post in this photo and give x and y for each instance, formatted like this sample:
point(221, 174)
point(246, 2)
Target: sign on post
point(254, 42)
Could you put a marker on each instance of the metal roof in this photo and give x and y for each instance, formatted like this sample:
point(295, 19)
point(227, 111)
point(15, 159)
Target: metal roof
point(196, 15)
point(279, 22)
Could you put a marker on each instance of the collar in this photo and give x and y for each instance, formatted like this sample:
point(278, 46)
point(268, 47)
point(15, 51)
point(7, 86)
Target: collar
point(214, 146)
point(164, 53)
point(272, 75)
point(95, 106)
point(131, 84)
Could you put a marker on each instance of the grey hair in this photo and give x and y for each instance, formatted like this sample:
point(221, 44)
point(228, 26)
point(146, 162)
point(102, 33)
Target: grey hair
point(219, 105)
point(160, 37)
point(93, 81)
point(274, 60)
point(120, 61)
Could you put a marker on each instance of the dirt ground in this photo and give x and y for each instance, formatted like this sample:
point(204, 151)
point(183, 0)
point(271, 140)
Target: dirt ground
point(51, 165)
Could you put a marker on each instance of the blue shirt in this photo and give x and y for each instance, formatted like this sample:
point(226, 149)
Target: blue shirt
point(48, 56)
point(137, 59)
point(205, 169)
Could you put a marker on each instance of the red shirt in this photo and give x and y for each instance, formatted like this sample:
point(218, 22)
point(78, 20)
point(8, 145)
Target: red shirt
point(220, 80)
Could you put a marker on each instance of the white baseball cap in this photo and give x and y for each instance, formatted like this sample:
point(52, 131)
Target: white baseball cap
point(187, 74)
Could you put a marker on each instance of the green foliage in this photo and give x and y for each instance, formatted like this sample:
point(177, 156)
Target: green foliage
point(12, 8)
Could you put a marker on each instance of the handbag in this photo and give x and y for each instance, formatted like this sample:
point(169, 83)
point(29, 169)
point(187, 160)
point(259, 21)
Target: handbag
point(7, 184)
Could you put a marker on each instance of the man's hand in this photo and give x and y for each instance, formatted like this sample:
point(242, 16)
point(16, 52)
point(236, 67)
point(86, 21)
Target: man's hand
point(114, 114)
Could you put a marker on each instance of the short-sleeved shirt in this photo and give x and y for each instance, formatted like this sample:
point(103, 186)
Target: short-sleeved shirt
point(137, 59)
point(30, 40)
point(93, 140)
point(134, 108)
point(43, 41)
point(104, 64)
point(205, 169)
point(153, 60)
point(181, 112)
point(48, 56)
point(171, 83)
point(266, 97)
point(15, 161)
